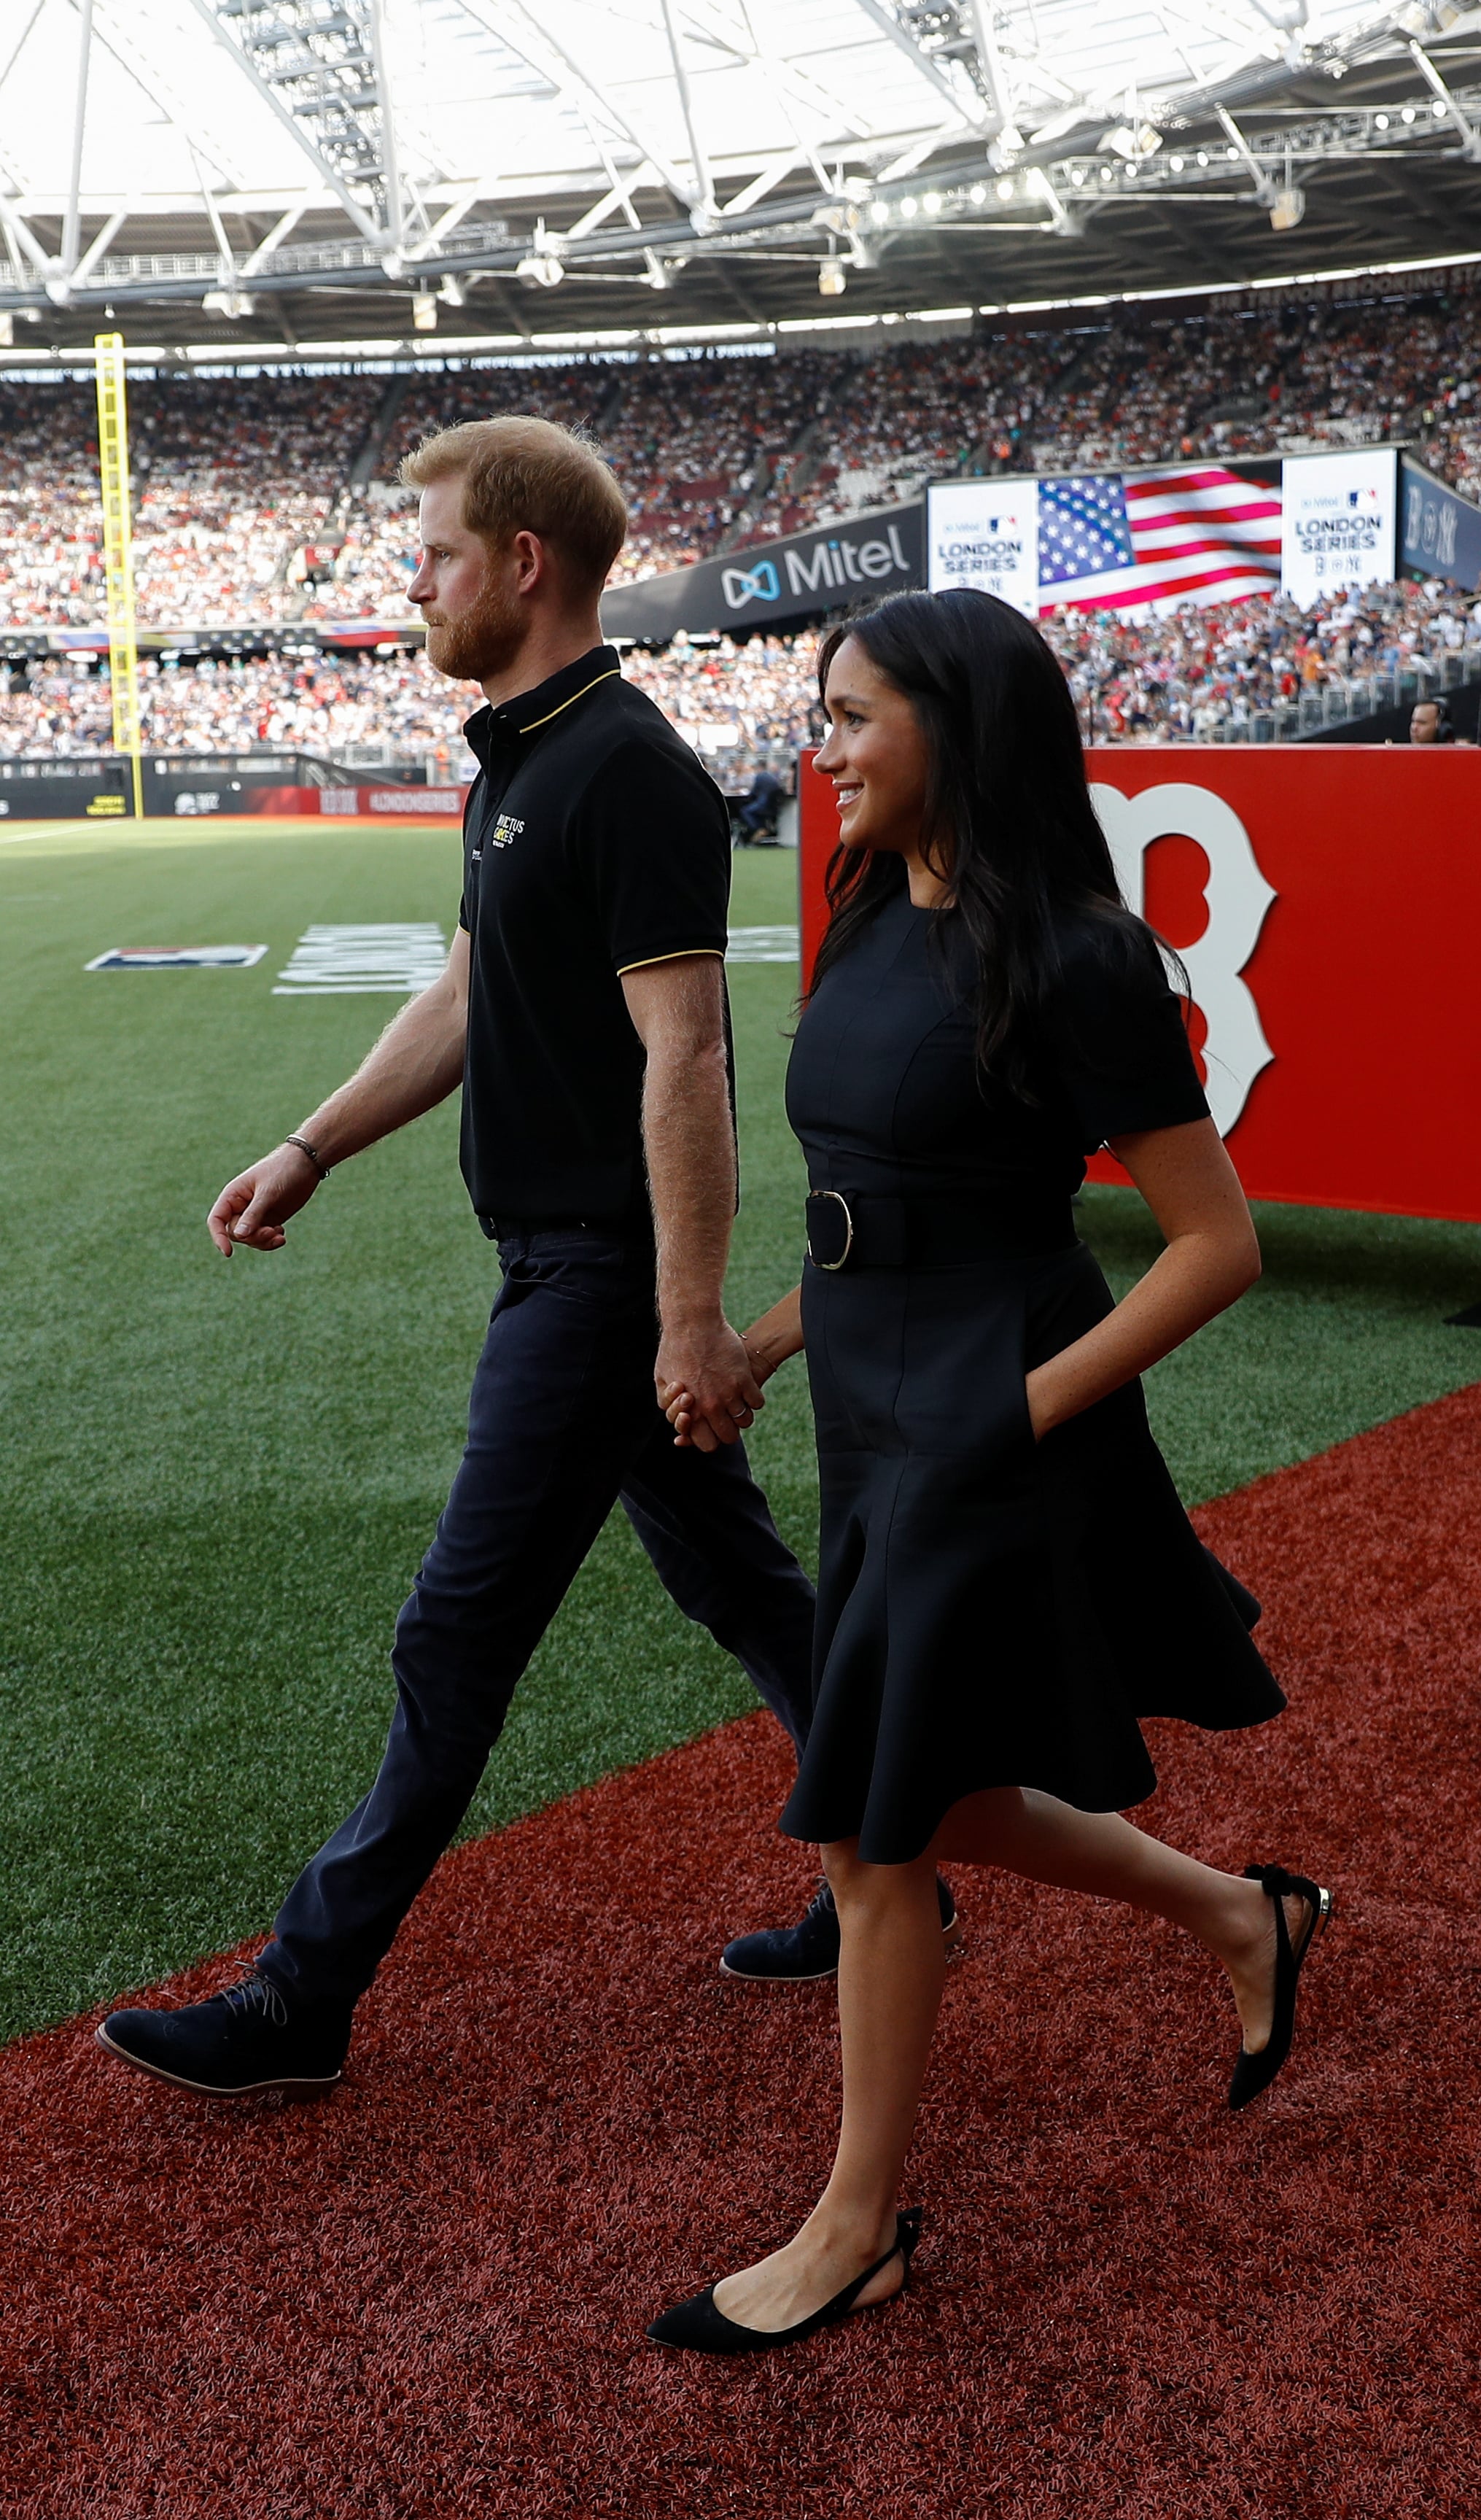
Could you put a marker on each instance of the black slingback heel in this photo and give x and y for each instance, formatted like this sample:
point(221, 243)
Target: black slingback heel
point(1253, 2075)
point(700, 2327)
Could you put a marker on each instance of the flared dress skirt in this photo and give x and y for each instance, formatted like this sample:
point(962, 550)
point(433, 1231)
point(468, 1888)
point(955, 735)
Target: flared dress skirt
point(994, 1611)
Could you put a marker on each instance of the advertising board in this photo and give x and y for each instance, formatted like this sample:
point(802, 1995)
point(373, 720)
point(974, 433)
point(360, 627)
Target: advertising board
point(985, 534)
point(1339, 521)
point(1327, 906)
point(96, 789)
point(785, 581)
point(1439, 532)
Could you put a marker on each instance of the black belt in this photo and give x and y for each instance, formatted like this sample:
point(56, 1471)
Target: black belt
point(864, 1230)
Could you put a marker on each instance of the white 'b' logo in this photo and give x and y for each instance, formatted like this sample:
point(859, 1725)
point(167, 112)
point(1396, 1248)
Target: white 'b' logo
point(1238, 898)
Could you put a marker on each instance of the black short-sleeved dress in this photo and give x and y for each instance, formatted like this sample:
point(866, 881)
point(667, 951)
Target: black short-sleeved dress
point(991, 1611)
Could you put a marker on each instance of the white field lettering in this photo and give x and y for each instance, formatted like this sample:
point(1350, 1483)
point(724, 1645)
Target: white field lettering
point(762, 945)
point(391, 960)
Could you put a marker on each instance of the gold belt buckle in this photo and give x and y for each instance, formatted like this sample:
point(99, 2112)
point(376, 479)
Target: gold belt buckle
point(848, 1233)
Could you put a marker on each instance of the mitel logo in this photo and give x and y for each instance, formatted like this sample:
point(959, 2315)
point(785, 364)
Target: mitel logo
point(758, 585)
point(836, 562)
point(829, 563)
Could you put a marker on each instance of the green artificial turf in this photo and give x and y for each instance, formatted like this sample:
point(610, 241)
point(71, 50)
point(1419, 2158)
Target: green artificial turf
point(218, 1477)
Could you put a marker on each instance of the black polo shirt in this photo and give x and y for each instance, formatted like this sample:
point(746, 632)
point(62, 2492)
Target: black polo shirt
point(593, 842)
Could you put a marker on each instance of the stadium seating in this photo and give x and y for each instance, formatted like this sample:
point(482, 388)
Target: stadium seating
point(274, 501)
point(1217, 673)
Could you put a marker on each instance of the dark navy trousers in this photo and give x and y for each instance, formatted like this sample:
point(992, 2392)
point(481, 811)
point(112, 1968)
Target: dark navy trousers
point(562, 1421)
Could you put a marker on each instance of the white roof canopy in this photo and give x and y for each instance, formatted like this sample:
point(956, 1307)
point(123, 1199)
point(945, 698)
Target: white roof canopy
point(159, 149)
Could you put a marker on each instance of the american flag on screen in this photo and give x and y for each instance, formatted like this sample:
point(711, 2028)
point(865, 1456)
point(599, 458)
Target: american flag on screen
point(1186, 533)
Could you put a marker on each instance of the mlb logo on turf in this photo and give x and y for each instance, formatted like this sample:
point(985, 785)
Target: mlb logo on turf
point(177, 958)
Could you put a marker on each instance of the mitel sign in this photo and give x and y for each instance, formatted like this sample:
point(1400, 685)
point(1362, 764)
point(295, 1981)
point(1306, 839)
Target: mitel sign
point(776, 584)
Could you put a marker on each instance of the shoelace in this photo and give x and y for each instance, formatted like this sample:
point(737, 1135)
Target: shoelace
point(256, 1993)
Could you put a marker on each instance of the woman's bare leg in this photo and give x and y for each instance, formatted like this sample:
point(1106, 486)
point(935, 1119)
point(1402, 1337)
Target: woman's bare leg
point(892, 1968)
point(1100, 1853)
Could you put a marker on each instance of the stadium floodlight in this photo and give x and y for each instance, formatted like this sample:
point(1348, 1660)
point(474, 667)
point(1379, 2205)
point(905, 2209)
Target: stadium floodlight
point(879, 213)
point(832, 279)
point(451, 290)
point(540, 268)
point(1139, 140)
point(233, 303)
point(930, 203)
point(424, 311)
point(1289, 208)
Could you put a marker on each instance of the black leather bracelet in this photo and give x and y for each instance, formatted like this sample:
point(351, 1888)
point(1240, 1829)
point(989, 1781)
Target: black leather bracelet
point(304, 1149)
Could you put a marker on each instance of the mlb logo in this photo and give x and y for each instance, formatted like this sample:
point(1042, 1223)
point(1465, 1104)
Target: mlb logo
point(177, 958)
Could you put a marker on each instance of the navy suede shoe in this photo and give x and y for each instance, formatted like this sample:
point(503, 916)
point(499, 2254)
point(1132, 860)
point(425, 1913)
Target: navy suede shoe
point(791, 1955)
point(248, 2039)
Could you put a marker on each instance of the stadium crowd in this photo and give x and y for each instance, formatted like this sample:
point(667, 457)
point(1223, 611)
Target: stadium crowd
point(738, 703)
point(247, 509)
point(324, 705)
point(1203, 674)
point(272, 500)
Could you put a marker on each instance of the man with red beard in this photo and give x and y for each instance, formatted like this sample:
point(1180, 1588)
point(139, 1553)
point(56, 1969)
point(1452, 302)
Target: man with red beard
point(583, 1012)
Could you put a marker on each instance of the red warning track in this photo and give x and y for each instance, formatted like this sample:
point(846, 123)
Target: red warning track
point(428, 2295)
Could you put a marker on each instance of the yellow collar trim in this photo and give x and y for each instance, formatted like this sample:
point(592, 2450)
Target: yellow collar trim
point(572, 703)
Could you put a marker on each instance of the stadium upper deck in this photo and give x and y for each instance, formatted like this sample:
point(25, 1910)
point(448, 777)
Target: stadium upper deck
point(245, 511)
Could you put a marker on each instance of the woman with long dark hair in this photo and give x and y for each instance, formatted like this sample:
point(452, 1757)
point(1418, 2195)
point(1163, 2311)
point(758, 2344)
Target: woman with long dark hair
point(1007, 1579)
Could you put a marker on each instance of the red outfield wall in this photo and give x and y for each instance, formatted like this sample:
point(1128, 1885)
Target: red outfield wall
point(1328, 904)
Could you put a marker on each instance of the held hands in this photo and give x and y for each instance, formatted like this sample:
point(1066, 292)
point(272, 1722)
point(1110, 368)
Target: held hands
point(708, 1383)
point(255, 1207)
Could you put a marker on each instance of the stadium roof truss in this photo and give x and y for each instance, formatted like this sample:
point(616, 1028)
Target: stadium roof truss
point(234, 172)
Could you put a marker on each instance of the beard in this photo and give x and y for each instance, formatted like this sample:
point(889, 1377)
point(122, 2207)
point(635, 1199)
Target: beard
point(479, 642)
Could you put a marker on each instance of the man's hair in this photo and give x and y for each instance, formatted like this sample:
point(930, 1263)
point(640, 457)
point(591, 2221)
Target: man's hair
point(525, 475)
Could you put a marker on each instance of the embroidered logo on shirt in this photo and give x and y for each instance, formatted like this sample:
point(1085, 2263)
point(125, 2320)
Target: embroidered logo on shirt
point(507, 828)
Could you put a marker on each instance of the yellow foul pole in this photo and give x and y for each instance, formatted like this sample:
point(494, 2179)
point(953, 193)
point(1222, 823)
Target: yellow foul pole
point(118, 554)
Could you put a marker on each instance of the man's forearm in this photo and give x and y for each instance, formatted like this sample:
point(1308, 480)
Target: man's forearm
point(415, 1063)
point(692, 1171)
